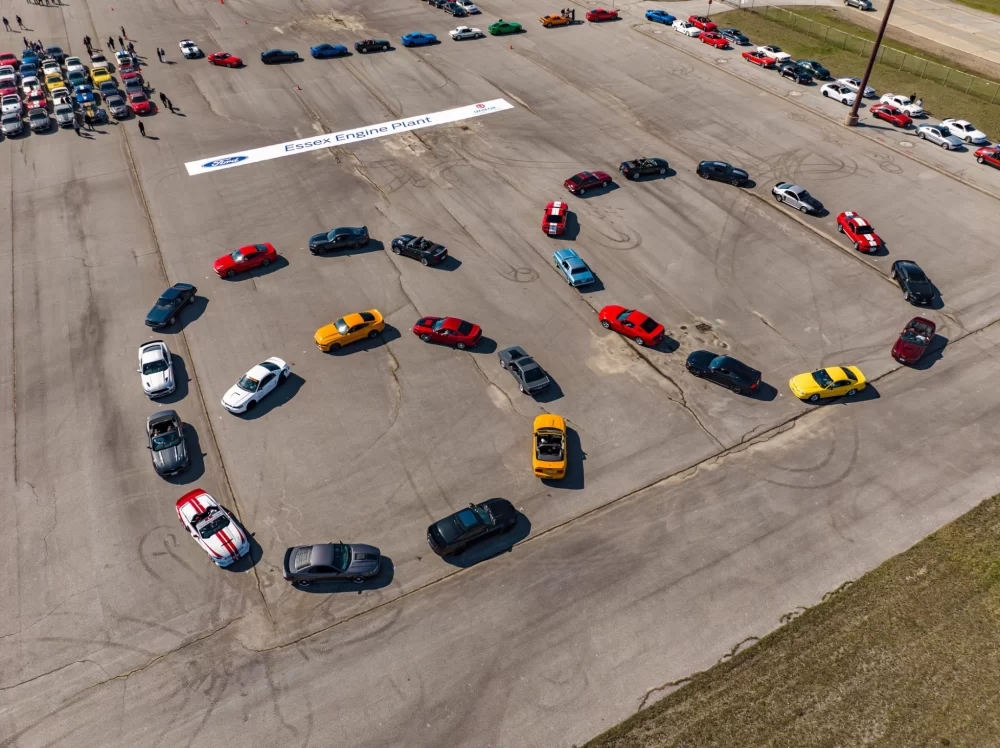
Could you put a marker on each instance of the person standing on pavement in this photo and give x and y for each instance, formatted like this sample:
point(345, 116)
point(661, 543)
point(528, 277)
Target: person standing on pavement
point(163, 98)
point(123, 32)
point(142, 129)
point(131, 48)
point(76, 127)
point(111, 43)
point(121, 42)
point(25, 40)
point(6, 24)
point(20, 24)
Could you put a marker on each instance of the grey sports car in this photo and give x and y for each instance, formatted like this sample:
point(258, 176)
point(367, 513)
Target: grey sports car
point(796, 197)
point(165, 434)
point(531, 377)
point(305, 564)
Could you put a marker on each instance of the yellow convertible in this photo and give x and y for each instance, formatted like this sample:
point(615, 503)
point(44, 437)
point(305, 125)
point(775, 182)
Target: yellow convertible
point(833, 381)
point(99, 75)
point(549, 455)
point(348, 329)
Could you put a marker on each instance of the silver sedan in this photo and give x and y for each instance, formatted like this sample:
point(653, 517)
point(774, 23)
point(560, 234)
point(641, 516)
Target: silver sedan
point(939, 135)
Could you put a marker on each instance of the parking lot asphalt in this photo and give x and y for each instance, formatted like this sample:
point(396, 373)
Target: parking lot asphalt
point(691, 518)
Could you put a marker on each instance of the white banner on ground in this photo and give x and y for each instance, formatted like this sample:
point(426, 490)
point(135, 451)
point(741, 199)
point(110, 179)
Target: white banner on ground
point(332, 140)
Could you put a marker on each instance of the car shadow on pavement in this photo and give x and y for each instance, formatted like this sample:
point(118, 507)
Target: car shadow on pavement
point(250, 560)
point(373, 245)
point(279, 262)
point(935, 351)
point(196, 466)
point(597, 285)
point(667, 345)
point(670, 172)
point(765, 392)
point(574, 480)
point(340, 586)
point(550, 394)
point(491, 547)
point(572, 229)
point(868, 393)
point(485, 345)
point(281, 395)
point(451, 263)
point(597, 191)
point(181, 378)
point(388, 335)
point(187, 315)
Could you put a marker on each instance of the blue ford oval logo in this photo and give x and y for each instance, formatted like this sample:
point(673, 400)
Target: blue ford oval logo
point(224, 161)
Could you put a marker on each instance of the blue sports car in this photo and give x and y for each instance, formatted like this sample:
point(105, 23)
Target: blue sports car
point(659, 16)
point(84, 94)
point(416, 39)
point(29, 57)
point(322, 51)
point(55, 53)
point(575, 269)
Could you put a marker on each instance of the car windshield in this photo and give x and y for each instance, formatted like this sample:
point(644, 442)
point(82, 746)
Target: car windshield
point(916, 275)
point(822, 378)
point(218, 522)
point(624, 315)
point(249, 384)
point(154, 367)
point(342, 327)
point(649, 324)
point(10, 119)
point(341, 557)
point(464, 328)
point(912, 336)
point(166, 441)
point(436, 327)
point(578, 271)
point(237, 256)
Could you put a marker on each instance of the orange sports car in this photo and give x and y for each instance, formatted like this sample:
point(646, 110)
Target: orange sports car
point(554, 19)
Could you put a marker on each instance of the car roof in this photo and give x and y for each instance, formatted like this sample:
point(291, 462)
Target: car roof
point(321, 555)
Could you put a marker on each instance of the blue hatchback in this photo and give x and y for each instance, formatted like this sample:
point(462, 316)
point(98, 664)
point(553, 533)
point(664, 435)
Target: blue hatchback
point(416, 39)
point(321, 51)
point(659, 16)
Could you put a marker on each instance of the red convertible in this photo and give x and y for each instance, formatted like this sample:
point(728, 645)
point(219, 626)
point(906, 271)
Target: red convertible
point(703, 23)
point(714, 38)
point(600, 14)
point(913, 341)
point(448, 330)
point(759, 58)
point(245, 258)
point(632, 324)
point(225, 60)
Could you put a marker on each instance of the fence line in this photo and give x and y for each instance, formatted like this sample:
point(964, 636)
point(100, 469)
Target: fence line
point(985, 90)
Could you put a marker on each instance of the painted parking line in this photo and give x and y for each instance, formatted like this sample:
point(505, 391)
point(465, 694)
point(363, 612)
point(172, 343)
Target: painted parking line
point(333, 139)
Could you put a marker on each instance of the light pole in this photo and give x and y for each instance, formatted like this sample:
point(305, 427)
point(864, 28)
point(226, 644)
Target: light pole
point(852, 119)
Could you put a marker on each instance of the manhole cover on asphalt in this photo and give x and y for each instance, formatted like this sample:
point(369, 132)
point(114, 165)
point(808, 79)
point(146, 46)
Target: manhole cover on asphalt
point(795, 94)
point(658, 32)
point(721, 60)
point(905, 144)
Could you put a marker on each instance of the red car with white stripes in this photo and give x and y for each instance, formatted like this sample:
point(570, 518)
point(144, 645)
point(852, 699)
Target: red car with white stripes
point(554, 220)
point(859, 231)
point(212, 527)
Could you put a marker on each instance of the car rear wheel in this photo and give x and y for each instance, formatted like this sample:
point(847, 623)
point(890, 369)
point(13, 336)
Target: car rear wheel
point(607, 325)
point(300, 583)
point(638, 340)
point(921, 136)
point(736, 388)
point(363, 50)
point(663, 171)
point(634, 176)
point(460, 346)
point(423, 261)
point(425, 337)
point(852, 393)
point(358, 580)
point(503, 364)
point(605, 184)
point(581, 192)
point(284, 376)
point(171, 320)
point(373, 334)
point(826, 94)
point(520, 387)
point(265, 263)
point(813, 398)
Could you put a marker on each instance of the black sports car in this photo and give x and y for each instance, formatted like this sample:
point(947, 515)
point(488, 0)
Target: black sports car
point(640, 167)
point(733, 36)
point(796, 73)
point(164, 311)
point(305, 564)
point(724, 370)
point(917, 287)
point(344, 237)
point(274, 56)
point(813, 67)
point(428, 252)
point(467, 526)
point(720, 171)
point(372, 45)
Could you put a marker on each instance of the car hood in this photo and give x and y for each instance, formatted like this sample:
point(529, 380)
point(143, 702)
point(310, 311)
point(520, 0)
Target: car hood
point(318, 238)
point(365, 559)
point(224, 263)
point(236, 397)
point(229, 543)
point(904, 349)
point(158, 313)
point(700, 359)
point(920, 288)
point(157, 381)
point(805, 384)
point(327, 334)
point(170, 459)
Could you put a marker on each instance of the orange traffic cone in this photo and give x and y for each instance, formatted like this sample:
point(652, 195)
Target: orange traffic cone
point(244, 22)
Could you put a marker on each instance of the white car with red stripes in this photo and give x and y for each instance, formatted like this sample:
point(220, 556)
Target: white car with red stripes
point(859, 231)
point(212, 527)
point(554, 220)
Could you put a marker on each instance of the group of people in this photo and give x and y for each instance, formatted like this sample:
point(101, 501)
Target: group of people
point(569, 13)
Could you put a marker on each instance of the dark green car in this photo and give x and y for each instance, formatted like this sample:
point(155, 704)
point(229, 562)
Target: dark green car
point(504, 27)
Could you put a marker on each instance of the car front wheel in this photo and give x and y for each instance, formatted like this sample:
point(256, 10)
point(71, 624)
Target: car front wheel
point(804, 209)
point(980, 159)
point(813, 398)
point(638, 340)
point(607, 325)
point(230, 273)
point(779, 198)
point(397, 250)
point(852, 393)
point(373, 334)
point(334, 347)
point(251, 405)
point(946, 146)
point(460, 346)
point(425, 337)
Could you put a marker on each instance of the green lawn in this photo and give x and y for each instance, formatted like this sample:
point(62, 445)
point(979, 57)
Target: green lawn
point(906, 657)
point(940, 101)
point(990, 6)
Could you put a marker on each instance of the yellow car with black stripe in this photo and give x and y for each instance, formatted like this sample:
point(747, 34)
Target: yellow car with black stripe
point(349, 329)
point(548, 458)
point(833, 381)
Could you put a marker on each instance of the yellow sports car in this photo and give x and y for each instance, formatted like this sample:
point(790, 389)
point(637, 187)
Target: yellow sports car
point(553, 20)
point(54, 81)
point(349, 328)
point(99, 75)
point(549, 455)
point(833, 381)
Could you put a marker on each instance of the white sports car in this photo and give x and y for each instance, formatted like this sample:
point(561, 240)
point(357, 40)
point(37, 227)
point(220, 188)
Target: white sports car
point(902, 103)
point(156, 368)
point(212, 527)
point(685, 27)
point(854, 84)
point(189, 49)
point(255, 385)
point(30, 84)
point(839, 92)
point(965, 130)
point(73, 64)
point(464, 32)
point(51, 67)
point(8, 76)
point(10, 104)
point(772, 51)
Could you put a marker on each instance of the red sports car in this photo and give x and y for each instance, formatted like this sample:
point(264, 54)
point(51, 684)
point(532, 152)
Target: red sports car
point(9, 90)
point(714, 38)
point(448, 330)
point(859, 231)
point(914, 340)
point(128, 72)
point(554, 220)
point(600, 14)
point(759, 58)
point(703, 23)
point(891, 114)
point(9, 58)
point(139, 103)
point(633, 324)
point(989, 155)
point(225, 59)
point(36, 100)
point(587, 180)
point(245, 258)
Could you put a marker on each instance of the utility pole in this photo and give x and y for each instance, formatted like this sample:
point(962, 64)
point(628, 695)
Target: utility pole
point(852, 119)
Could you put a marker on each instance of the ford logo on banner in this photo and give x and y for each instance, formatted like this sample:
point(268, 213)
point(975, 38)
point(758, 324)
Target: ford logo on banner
point(224, 161)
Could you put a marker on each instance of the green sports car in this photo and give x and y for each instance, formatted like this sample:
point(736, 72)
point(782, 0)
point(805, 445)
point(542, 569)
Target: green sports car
point(504, 27)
